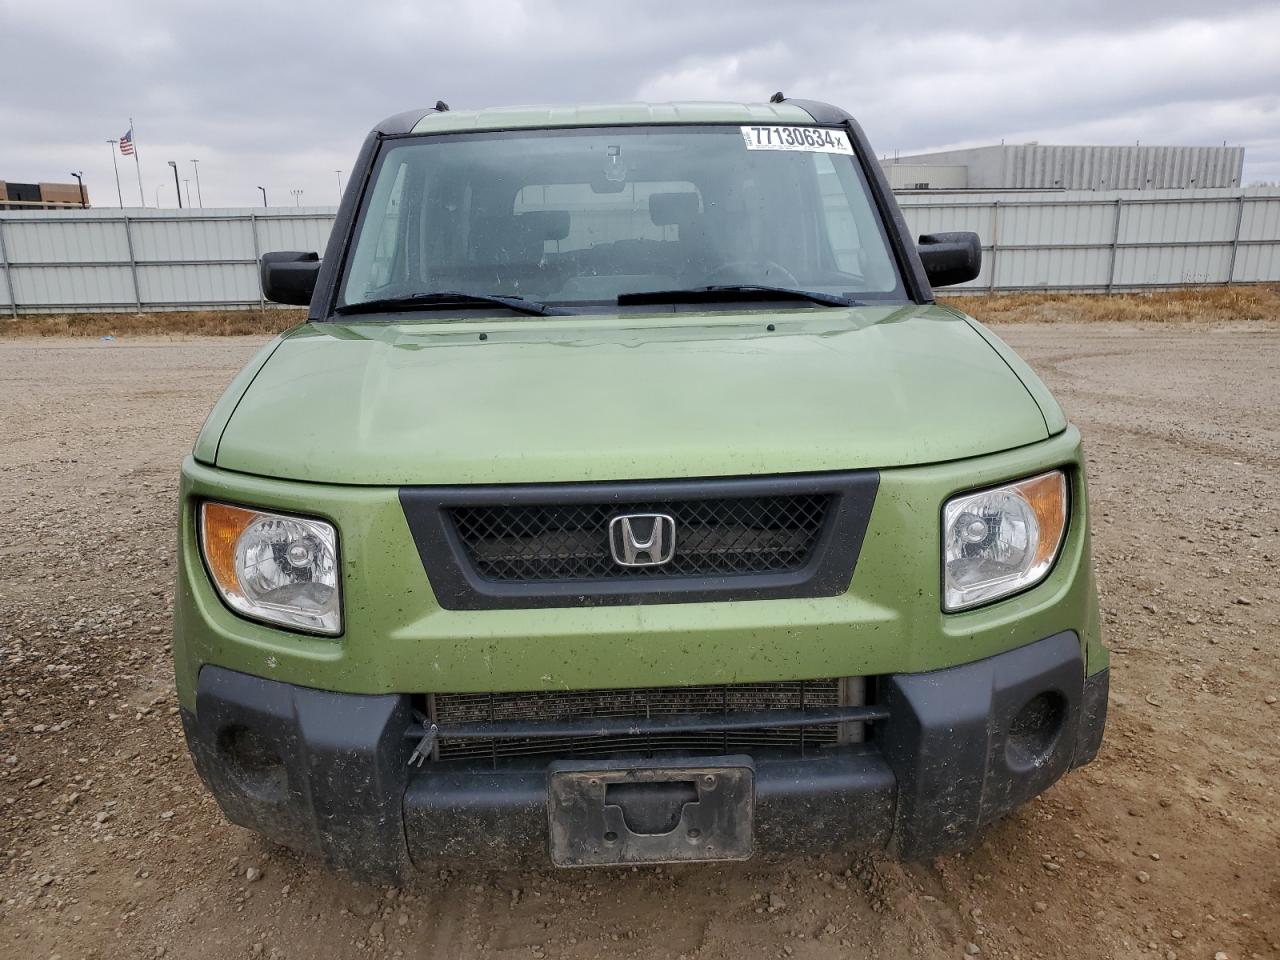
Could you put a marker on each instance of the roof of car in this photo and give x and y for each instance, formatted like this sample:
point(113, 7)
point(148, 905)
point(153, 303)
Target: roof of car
point(621, 114)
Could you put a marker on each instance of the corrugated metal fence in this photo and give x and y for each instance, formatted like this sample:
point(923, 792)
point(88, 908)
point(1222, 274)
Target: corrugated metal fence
point(1105, 241)
point(138, 260)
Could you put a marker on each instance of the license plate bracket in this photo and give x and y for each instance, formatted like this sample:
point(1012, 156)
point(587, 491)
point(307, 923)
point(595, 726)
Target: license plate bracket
point(642, 811)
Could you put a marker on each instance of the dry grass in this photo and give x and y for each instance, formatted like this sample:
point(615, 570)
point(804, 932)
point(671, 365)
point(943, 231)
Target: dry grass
point(1198, 305)
point(1192, 305)
point(200, 323)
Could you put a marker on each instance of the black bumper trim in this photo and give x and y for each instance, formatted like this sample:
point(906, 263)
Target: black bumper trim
point(843, 801)
point(586, 727)
point(961, 747)
point(313, 770)
point(1093, 717)
point(950, 746)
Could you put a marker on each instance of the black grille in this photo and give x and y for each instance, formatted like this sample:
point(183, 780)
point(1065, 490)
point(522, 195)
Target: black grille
point(525, 546)
point(564, 542)
point(463, 708)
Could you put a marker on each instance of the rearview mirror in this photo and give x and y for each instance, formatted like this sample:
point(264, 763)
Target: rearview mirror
point(289, 276)
point(950, 258)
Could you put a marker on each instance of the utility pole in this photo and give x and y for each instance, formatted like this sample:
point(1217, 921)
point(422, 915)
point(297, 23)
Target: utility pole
point(195, 164)
point(177, 187)
point(264, 195)
point(116, 168)
point(339, 173)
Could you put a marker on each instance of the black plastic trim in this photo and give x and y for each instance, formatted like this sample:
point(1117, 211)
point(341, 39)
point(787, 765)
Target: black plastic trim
point(842, 801)
point(405, 121)
point(586, 727)
point(941, 767)
point(1093, 717)
point(324, 299)
point(949, 743)
point(457, 586)
point(899, 234)
point(339, 772)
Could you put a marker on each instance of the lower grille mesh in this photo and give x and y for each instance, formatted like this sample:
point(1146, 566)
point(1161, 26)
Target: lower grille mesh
point(463, 708)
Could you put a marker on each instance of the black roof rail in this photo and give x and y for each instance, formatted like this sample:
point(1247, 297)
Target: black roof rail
point(405, 122)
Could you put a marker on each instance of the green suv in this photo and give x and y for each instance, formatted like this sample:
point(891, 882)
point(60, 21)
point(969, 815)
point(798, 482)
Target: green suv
point(627, 498)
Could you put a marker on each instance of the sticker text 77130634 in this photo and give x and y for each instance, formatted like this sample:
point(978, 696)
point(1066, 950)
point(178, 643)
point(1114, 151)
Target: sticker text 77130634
point(811, 139)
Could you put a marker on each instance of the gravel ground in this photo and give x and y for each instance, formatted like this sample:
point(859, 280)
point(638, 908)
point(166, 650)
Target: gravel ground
point(1167, 847)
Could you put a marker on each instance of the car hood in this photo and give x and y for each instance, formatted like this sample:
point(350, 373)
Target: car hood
point(628, 396)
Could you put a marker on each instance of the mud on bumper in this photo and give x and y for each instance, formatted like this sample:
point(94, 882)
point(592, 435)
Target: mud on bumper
point(328, 773)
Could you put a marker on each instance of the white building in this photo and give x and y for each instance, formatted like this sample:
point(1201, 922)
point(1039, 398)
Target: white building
point(1034, 166)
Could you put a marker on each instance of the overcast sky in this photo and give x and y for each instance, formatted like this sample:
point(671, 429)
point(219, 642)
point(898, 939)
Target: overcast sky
point(281, 94)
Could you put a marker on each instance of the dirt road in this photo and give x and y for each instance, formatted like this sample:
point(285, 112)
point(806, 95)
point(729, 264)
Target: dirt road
point(1168, 846)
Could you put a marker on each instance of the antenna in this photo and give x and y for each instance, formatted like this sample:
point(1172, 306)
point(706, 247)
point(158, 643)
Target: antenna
point(777, 97)
point(442, 106)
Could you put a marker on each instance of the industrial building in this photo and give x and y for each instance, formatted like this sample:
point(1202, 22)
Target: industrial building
point(42, 196)
point(1035, 166)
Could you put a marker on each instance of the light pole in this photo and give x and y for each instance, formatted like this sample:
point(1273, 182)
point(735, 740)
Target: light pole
point(186, 184)
point(137, 163)
point(339, 173)
point(111, 145)
point(158, 186)
point(297, 196)
point(80, 180)
point(195, 165)
point(177, 187)
point(264, 195)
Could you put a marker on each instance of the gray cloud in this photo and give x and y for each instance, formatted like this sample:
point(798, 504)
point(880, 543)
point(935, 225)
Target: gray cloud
point(282, 94)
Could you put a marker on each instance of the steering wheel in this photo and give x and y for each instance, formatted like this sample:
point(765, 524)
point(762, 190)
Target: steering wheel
point(752, 271)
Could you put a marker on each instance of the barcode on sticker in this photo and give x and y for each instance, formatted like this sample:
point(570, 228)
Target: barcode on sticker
point(812, 139)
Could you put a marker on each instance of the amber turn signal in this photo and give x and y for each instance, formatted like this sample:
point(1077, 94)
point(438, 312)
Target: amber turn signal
point(220, 528)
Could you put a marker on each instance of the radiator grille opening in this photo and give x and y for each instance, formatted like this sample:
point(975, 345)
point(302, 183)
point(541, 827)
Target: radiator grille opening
point(534, 543)
point(790, 695)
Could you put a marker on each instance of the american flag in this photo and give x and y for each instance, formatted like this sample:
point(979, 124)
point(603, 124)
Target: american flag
point(126, 143)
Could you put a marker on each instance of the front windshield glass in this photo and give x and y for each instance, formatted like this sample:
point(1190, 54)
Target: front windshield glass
point(581, 216)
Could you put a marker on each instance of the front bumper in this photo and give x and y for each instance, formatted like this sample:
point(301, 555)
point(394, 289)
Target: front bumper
point(328, 772)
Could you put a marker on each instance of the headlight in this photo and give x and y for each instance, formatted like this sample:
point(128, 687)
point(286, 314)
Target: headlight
point(997, 542)
point(280, 569)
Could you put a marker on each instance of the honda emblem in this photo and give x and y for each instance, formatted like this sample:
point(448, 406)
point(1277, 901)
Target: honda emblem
point(642, 539)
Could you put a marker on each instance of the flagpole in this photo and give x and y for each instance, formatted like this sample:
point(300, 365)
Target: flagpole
point(133, 138)
point(111, 145)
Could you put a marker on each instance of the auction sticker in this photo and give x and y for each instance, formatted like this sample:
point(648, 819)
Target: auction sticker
point(811, 139)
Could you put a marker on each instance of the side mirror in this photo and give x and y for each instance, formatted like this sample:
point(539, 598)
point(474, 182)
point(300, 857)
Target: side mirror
point(289, 276)
point(950, 258)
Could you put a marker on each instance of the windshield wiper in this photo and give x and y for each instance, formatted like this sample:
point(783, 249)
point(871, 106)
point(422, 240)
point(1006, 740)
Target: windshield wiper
point(720, 293)
point(443, 299)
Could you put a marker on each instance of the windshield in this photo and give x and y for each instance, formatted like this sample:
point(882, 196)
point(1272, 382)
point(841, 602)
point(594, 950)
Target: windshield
point(579, 217)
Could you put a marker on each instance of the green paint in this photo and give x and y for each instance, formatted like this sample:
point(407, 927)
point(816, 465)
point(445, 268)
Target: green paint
point(626, 397)
point(330, 418)
point(398, 639)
